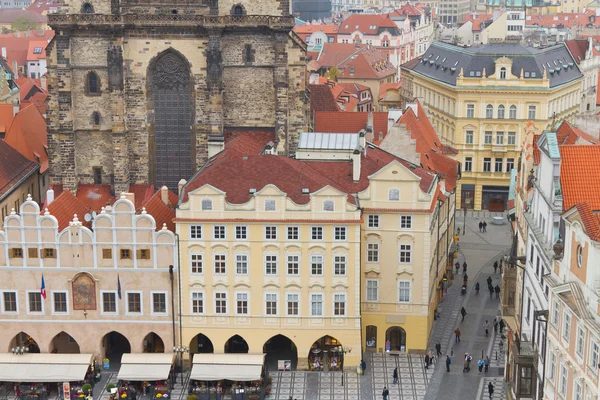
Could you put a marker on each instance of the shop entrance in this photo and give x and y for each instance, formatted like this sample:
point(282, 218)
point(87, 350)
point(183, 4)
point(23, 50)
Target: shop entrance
point(22, 339)
point(371, 338)
point(395, 339)
point(153, 343)
point(114, 345)
point(494, 198)
point(201, 344)
point(236, 344)
point(467, 196)
point(280, 348)
point(326, 355)
point(63, 343)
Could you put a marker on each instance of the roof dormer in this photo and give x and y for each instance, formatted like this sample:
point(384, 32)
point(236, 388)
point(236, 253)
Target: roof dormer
point(503, 68)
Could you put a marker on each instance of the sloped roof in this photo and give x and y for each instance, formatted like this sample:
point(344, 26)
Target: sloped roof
point(407, 10)
point(65, 206)
point(354, 88)
point(37, 50)
point(9, 16)
point(41, 6)
point(309, 29)
point(141, 194)
point(568, 20)
point(161, 212)
point(38, 100)
point(368, 24)
point(13, 168)
point(385, 87)
point(580, 175)
point(569, 134)
point(368, 64)
point(28, 87)
point(6, 117)
point(334, 53)
point(578, 48)
point(591, 223)
point(95, 196)
point(17, 44)
point(351, 123)
point(27, 134)
point(322, 98)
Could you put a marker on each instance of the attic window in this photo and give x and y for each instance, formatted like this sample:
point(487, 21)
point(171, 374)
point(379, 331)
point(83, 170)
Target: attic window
point(206, 204)
point(471, 73)
point(526, 74)
point(328, 205)
point(444, 60)
point(270, 205)
point(478, 73)
point(37, 50)
point(533, 74)
point(346, 26)
point(352, 70)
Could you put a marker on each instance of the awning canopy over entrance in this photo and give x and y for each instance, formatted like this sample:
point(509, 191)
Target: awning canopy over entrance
point(145, 366)
point(233, 367)
point(44, 367)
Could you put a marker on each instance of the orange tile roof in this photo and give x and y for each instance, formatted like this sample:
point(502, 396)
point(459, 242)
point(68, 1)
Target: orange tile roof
point(38, 100)
point(141, 194)
point(335, 53)
point(368, 64)
point(407, 10)
point(161, 212)
point(322, 98)
point(309, 29)
point(577, 48)
point(27, 134)
point(580, 175)
point(352, 87)
point(367, 24)
point(568, 20)
point(385, 87)
point(17, 45)
point(591, 223)
point(569, 134)
point(36, 50)
point(478, 20)
point(41, 6)
point(95, 196)
point(337, 122)
point(28, 87)
point(65, 206)
point(13, 168)
point(6, 117)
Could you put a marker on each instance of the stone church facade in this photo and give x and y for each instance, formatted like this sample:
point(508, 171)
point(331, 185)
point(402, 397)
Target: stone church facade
point(140, 90)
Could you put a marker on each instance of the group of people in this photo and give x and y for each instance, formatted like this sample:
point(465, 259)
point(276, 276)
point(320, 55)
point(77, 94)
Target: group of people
point(482, 227)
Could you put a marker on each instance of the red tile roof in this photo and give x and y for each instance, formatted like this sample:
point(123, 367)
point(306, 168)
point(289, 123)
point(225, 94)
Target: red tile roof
point(6, 117)
point(41, 6)
point(38, 100)
point(322, 98)
point(580, 175)
point(141, 194)
point(161, 212)
point(366, 24)
point(95, 196)
point(27, 134)
point(309, 29)
point(65, 206)
point(39, 45)
point(17, 45)
point(591, 223)
point(13, 168)
point(335, 53)
point(28, 87)
point(568, 20)
point(406, 10)
point(354, 88)
point(569, 134)
point(368, 64)
point(478, 20)
point(245, 143)
point(578, 48)
point(337, 122)
point(385, 87)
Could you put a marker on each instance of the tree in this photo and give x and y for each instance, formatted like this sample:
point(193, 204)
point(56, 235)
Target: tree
point(22, 24)
point(333, 73)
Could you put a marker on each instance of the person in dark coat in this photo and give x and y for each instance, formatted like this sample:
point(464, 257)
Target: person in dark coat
point(501, 325)
point(363, 366)
point(463, 312)
point(395, 376)
point(385, 393)
point(497, 289)
point(490, 389)
point(426, 361)
point(484, 226)
point(491, 289)
point(495, 266)
point(480, 226)
point(438, 349)
point(489, 280)
point(465, 267)
point(448, 362)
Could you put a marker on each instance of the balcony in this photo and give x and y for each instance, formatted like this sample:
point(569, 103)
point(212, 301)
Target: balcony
point(540, 237)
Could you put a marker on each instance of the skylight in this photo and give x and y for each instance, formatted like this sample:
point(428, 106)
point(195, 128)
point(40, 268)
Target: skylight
point(37, 50)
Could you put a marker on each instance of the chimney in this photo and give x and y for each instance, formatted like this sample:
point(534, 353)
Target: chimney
point(4, 52)
point(356, 165)
point(44, 82)
point(164, 195)
point(414, 108)
point(180, 186)
point(49, 196)
point(129, 196)
point(362, 135)
point(15, 107)
point(216, 143)
point(370, 122)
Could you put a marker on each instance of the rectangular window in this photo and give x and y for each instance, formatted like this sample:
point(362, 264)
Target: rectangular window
point(270, 205)
point(468, 164)
point(107, 254)
point(270, 233)
point(525, 380)
point(487, 138)
point(9, 302)
point(316, 264)
point(469, 137)
point(578, 391)
point(394, 195)
point(339, 233)
point(206, 205)
point(197, 302)
point(125, 254)
point(196, 263)
point(512, 138)
point(134, 302)
point(487, 164)
point(195, 231)
point(373, 252)
point(470, 110)
point(594, 355)
point(579, 345)
point(564, 376)
point(316, 304)
point(220, 302)
point(499, 138)
point(372, 290)
point(159, 303)
point(339, 304)
point(16, 252)
point(339, 265)
point(241, 232)
point(271, 264)
point(373, 221)
point(143, 254)
point(403, 291)
point(406, 222)
point(405, 253)
point(510, 164)
point(555, 308)
point(60, 302)
point(271, 303)
point(241, 303)
point(316, 233)
point(293, 233)
point(109, 302)
point(219, 232)
point(293, 264)
point(241, 264)
point(328, 205)
point(293, 304)
point(32, 252)
point(531, 112)
point(498, 165)
point(35, 302)
point(552, 370)
point(566, 331)
point(220, 263)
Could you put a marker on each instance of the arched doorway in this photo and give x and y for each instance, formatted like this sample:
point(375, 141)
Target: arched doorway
point(396, 337)
point(153, 343)
point(326, 355)
point(277, 348)
point(170, 96)
point(115, 345)
point(236, 344)
point(63, 343)
point(371, 338)
point(22, 339)
point(201, 344)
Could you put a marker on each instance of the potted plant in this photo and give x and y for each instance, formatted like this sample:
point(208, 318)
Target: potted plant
point(86, 388)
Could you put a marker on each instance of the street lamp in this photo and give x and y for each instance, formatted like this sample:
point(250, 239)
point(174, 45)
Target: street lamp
point(344, 350)
point(179, 350)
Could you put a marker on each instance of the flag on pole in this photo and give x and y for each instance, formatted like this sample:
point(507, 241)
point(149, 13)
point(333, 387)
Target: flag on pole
point(43, 289)
point(118, 287)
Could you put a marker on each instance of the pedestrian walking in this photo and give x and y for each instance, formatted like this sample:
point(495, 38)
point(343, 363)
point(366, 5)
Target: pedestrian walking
point(448, 362)
point(466, 366)
point(500, 267)
point(395, 376)
point(495, 323)
point(480, 364)
point(497, 289)
point(490, 389)
point(464, 267)
point(457, 335)
point(385, 393)
point(501, 325)
point(457, 265)
point(491, 289)
point(486, 326)
point(476, 288)
point(484, 226)
point(431, 358)
point(426, 361)
point(465, 278)
point(480, 226)
point(486, 363)
point(438, 349)
point(363, 366)
point(495, 266)
point(463, 312)
point(489, 280)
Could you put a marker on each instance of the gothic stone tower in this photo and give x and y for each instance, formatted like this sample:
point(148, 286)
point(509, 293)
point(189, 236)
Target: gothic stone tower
point(139, 88)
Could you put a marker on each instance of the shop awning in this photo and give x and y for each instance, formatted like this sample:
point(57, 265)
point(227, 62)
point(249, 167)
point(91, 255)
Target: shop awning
point(145, 366)
point(233, 367)
point(44, 367)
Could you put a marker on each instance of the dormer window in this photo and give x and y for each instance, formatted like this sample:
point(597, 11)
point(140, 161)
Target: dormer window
point(394, 195)
point(503, 73)
point(206, 205)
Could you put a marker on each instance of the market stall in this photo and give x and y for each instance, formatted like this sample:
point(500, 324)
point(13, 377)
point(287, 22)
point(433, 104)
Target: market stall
point(36, 376)
point(146, 374)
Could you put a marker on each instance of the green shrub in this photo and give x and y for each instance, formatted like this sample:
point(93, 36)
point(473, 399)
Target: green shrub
point(86, 388)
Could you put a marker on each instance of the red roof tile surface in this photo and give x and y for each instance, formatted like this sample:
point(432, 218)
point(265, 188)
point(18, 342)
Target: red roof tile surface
point(335, 53)
point(337, 122)
point(27, 135)
point(141, 194)
point(578, 48)
point(95, 196)
point(17, 45)
point(407, 10)
point(65, 206)
point(6, 117)
point(478, 20)
point(591, 223)
point(41, 6)
point(385, 87)
point(13, 168)
point(322, 98)
point(580, 175)
point(366, 24)
point(9, 16)
point(569, 134)
point(161, 212)
point(309, 29)
point(368, 64)
point(38, 100)
point(34, 47)
point(568, 20)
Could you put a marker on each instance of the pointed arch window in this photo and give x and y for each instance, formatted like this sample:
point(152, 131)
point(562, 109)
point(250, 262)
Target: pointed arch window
point(93, 84)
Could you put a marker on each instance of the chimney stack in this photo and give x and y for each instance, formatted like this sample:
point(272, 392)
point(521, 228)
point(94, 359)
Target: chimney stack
point(164, 195)
point(4, 52)
point(356, 165)
point(49, 196)
point(180, 186)
point(44, 82)
point(15, 107)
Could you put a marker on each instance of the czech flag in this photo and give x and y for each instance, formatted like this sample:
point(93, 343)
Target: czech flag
point(43, 289)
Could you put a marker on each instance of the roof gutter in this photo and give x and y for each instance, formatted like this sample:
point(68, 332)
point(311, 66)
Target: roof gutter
point(18, 184)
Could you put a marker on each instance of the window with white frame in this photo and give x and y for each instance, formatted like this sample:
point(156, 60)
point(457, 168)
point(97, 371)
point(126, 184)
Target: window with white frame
point(594, 355)
point(469, 137)
point(197, 302)
point(489, 111)
point(159, 303)
point(195, 231)
point(552, 366)
point(405, 253)
point(109, 302)
point(293, 233)
point(339, 265)
point(487, 137)
point(219, 232)
point(470, 110)
point(293, 304)
point(206, 204)
point(220, 302)
point(339, 233)
point(566, 331)
point(564, 376)
point(555, 313)
point(406, 222)
point(468, 164)
point(271, 303)
point(316, 264)
point(220, 263)
point(512, 138)
point(394, 195)
point(134, 303)
point(500, 112)
point(316, 304)
point(531, 112)
point(271, 264)
point(403, 291)
point(373, 221)
point(241, 303)
point(270, 232)
point(293, 264)
point(372, 289)
point(270, 205)
point(579, 256)
point(499, 138)
point(196, 263)
point(512, 112)
point(34, 302)
point(316, 233)
point(9, 302)
point(328, 205)
point(59, 302)
point(580, 343)
point(241, 232)
point(373, 252)
point(241, 264)
point(339, 304)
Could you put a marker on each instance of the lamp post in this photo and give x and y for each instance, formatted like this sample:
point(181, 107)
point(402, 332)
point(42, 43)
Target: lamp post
point(465, 221)
point(179, 350)
point(344, 350)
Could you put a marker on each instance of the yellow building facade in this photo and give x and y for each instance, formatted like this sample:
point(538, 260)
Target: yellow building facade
point(481, 99)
